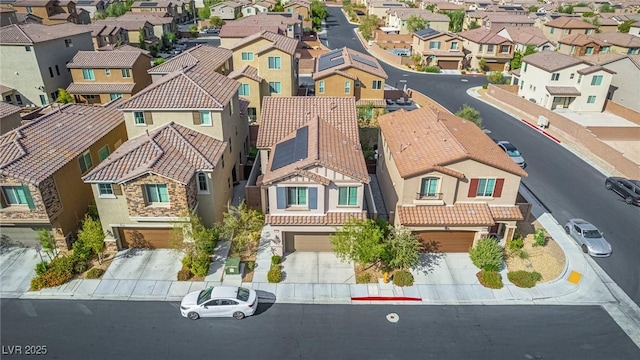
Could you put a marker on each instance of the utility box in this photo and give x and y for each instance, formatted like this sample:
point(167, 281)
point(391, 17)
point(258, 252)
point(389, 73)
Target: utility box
point(232, 266)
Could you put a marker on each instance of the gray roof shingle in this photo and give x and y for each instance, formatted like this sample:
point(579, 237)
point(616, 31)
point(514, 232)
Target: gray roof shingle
point(36, 33)
point(105, 59)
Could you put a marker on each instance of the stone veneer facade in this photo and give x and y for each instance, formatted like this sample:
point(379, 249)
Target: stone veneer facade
point(23, 213)
point(181, 198)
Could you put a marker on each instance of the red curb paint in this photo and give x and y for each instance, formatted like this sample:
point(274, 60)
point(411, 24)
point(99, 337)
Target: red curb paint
point(385, 298)
point(541, 131)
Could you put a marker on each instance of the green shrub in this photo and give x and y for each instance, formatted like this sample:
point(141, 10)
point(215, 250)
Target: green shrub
point(80, 266)
point(522, 254)
point(490, 279)
point(59, 271)
point(251, 265)
point(200, 264)
point(41, 267)
point(524, 279)
point(81, 251)
point(495, 77)
point(186, 261)
point(431, 69)
point(363, 278)
point(402, 278)
point(515, 245)
point(275, 260)
point(539, 238)
point(463, 72)
point(487, 255)
point(275, 274)
point(94, 273)
point(485, 86)
point(184, 274)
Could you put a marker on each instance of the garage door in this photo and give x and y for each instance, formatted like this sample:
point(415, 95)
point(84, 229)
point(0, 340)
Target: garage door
point(19, 236)
point(148, 238)
point(495, 66)
point(448, 64)
point(446, 241)
point(315, 242)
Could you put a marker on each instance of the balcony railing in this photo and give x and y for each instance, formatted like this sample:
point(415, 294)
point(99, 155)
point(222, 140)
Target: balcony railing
point(435, 196)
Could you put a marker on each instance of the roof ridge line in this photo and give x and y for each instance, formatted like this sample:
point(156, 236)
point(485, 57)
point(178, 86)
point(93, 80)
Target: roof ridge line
point(17, 143)
point(24, 33)
point(189, 144)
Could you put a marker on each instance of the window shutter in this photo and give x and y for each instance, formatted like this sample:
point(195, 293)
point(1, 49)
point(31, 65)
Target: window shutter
point(497, 190)
point(281, 197)
point(313, 198)
point(117, 189)
point(473, 188)
point(148, 118)
point(196, 118)
point(27, 195)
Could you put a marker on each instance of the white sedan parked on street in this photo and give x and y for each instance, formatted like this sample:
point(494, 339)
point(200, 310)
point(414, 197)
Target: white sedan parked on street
point(220, 301)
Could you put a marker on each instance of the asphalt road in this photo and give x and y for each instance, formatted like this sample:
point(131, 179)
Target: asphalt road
point(155, 330)
point(566, 185)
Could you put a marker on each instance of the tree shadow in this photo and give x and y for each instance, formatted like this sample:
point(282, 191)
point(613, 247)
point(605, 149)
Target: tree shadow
point(430, 258)
point(8, 244)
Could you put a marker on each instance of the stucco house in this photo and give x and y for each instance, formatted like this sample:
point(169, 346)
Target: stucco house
point(620, 43)
point(482, 44)
point(445, 179)
point(302, 7)
point(555, 80)
point(442, 49)
point(214, 58)
point(581, 44)
point(227, 10)
point(624, 84)
point(558, 28)
point(522, 37)
point(380, 8)
point(397, 19)
point(53, 11)
point(286, 24)
point(108, 35)
point(314, 173)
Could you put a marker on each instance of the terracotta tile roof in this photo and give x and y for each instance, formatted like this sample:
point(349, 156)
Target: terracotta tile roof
point(129, 25)
point(326, 147)
point(349, 60)
point(249, 25)
point(565, 22)
point(461, 214)
point(125, 47)
point(551, 61)
point(4, 89)
point(104, 60)
point(421, 141)
point(7, 109)
point(405, 13)
point(580, 40)
point(506, 213)
point(280, 42)
point(103, 30)
point(158, 4)
point(209, 56)
point(197, 87)
point(603, 58)
point(483, 36)
point(526, 35)
point(283, 115)
point(38, 149)
point(154, 18)
point(503, 17)
point(60, 16)
point(445, 54)
point(619, 39)
point(100, 88)
point(172, 151)
point(248, 71)
point(331, 218)
point(562, 90)
point(374, 102)
point(35, 33)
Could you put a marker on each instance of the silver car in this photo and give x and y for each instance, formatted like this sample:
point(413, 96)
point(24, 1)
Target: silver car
point(220, 301)
point(513, 153)
point(588, 237)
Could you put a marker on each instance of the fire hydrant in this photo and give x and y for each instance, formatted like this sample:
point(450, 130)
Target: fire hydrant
point(385, 277)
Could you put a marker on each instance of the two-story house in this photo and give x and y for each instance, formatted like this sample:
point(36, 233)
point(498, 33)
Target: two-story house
point(34, 58)
point(162, 25)
point(314, 174)
point(494, 21)
point(302, 7)
point(397, 19)
point(53, 11)
point(9, 117)
point(346, 72)
point(108, 35)
point(286, 24)
point(581, 44)
point(7, 16)
point(380, 8)
point(216, 59)
point(160, 7)
point(227, 10)
point(442, 177)
point(555, 80)
point(442, 49)
point(103, 76)
point(558, 28)
point(92, 6)
point(265, 65)
point(620, 43)
point(482, 44)
point(10, 96)
point(41, 166)
point(183, 157)
point(134, 28)
point(523, 37)
point(624, 84)
point(255, 8)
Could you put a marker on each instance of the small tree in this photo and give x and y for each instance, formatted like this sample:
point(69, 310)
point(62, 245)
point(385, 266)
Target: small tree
point(606, 8)
point(216, 21)
point(359, 241)
point(471, 114)
point(193, 29)
point(141, 39)
point(64, 97)
point(158, 61)
point(456, 19)
point(48, 242)
point(92, 236)
point(487, 255)
point(625, 26)
point(367, 26)
point(416, 23)
point(172, 37)
point(242, 225)
point(402, 249)
point(482, 64)
point(474, 25)
point(318, 13)
point(534, 9)
point(495, 77)
point(278, 7)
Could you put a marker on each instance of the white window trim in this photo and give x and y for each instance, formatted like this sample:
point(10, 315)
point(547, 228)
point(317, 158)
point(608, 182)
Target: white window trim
point(105, 196)
point(200, 191)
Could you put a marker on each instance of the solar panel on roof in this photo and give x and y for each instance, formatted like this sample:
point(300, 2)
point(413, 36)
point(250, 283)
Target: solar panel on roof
point(427, 32)
point(85, 2)
point(364, 61)
point(148, 4)
point(332, 53)
point(292, 150)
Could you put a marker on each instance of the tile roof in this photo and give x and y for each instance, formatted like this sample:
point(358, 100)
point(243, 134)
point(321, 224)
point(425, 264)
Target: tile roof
point(562, 90)
point(280, 42)
point(527, 35)
point(603, 58)
point(503, 17)
point(326, 147)
point(129, 25)
point(248, 71)
point(551, 60)
point(249, 25)
point(36, 33)
point(482, 36)
point(197, 87)
point(594, 68)
point(619, 39)
point(103, 29)
point(125, 47)
point(154, 18)
point(7, 109)
point(580, 40)
point(105, 59)
point(4, 89)
point(460, 214)
point(506, 212)
point(38, 149)
point(172, 151)
point(422, 141)
point(282, 115)
point(405, 13)
point(209, 56)
point(100, 88)
point(350, 59)
point(330, 218)
point(158, 4)
point(374, 102)
point(565, 22)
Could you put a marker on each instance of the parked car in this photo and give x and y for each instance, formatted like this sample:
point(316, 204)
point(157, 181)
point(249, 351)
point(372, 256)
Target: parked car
point(627, 188)
point(213, 31)
point(590, 239)
point(220, 301)
point(513, 153)
point(359, 12)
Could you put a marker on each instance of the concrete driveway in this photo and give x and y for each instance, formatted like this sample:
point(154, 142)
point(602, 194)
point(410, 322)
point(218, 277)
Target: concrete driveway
point(445, 269)
point(138, 264)
point(316, 268)
point(17, 268)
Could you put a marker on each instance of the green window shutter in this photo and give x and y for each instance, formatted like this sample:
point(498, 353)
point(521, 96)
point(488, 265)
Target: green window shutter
point(28, 198)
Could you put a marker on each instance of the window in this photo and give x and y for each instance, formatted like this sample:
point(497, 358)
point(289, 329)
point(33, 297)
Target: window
point(27, 48)
point(428, 187)
point(57, 70)
point(87, 74)
point(589, 31)
point(296, 196)
point(634, 51)
point(54, 95)
point(489, 48)
point(505, 49)
point(321, 87)
point(555, 76)
point(139, 117)
point(596, 80)
point(485, 187)
point(274, 87)
point(347, 87)
point(572, 76)
point(591, 99)
point(480, 48)
point(103, 153)
point(29, 10)
point(203, 184)
point(7, 99)
point(589, 51)
point(107, 72)
point(552, 30)
point(157, 193)
point(274, 62)
point(525, 67)
point(43, 100)
point(579, 78)
point(205, 118)
point(434, 44)
point(244, 90)
point(16, 195)
point(573, 48)
point(521, 84)
point(454, 45)
point(85, 161)
point(247, 56)
point(126, 73)
point(604, 49)
point(50, 71)
point(377, 84)
point(19, 99)
point(90, 97)
point(105, 190)
point(68, 43)
point(348, 195)
point(566, 31)
point(115, 96)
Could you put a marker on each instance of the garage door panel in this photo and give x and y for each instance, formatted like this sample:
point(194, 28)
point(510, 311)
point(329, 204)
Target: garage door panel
point(448, 64)
point(147, 238)
point(446, 241)
point(312, 242)
point(495, 66)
